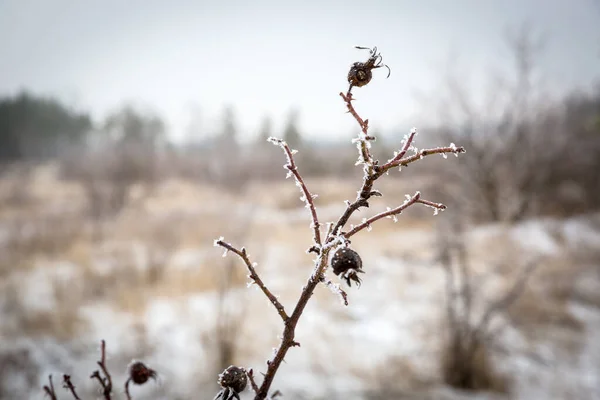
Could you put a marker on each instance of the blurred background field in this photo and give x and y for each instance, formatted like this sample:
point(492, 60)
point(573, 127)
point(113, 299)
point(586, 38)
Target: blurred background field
point(111, 198)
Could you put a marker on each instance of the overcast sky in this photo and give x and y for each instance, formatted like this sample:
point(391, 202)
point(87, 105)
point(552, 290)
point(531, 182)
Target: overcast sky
point(188, 58)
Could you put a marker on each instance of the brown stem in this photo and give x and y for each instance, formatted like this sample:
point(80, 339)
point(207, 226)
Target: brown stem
point(290, 326)
point(308, 197)
point(366, 191)
point(423, 153)
point(106, 381)
point(416, 198)
point(252, 381)
point(127, 388)
point(254, 276)
point(405, 148)
point(67, 384)
point(366, 156)
point(49, 389)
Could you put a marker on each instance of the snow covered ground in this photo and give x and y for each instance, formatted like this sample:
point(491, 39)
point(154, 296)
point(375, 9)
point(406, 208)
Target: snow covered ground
point(394, 322)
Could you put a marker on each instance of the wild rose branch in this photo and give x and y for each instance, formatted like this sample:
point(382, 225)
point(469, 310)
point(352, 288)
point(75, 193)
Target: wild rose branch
point(335, 238)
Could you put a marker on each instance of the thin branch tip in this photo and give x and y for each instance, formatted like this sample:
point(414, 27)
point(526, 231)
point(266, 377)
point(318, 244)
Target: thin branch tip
point(307, 196)
point(250, 266)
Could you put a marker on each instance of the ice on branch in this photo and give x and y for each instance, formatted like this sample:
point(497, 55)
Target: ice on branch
point(276, 141)
point(337, 290)
point(216, 242)
point(456, 150)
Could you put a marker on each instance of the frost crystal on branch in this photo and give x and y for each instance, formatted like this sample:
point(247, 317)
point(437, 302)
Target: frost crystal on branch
point(306, 197)
point(337, 290)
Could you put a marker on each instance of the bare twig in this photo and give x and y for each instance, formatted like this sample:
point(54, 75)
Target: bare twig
point(407, 144)
point(374, 171)
point(423, 153)
point(416, 198)
point(289, 330)
point(106, 381)
point(364, 139)
point(336, 289)
point(307, 197)
point(254, 276)
point(67, 384)
point(252, 381)
point(49, 389)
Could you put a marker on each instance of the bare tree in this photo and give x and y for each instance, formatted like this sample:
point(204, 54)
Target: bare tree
point(502, 179)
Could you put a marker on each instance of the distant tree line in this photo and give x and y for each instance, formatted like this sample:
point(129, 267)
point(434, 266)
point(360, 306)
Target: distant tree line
point(535, 157)
point(34, 127)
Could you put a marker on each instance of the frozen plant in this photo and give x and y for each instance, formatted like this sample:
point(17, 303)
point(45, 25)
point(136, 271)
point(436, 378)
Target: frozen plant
point(138, 373)
point(336, 238)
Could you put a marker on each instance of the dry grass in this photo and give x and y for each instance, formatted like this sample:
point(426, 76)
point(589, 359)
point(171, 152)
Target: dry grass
point(393, 376)
point(161, 246)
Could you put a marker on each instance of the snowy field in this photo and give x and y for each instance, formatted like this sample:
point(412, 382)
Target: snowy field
point(149, 286)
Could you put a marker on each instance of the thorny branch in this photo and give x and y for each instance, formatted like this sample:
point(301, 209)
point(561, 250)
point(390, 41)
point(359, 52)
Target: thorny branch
point(364, 138)
point(254, 276)
point(407, 145)
point(416, 198)
point(425, 152)
point(306, 195)
point(372, 172)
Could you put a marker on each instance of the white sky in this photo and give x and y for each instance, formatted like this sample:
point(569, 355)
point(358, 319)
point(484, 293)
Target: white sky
point(189, 58)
